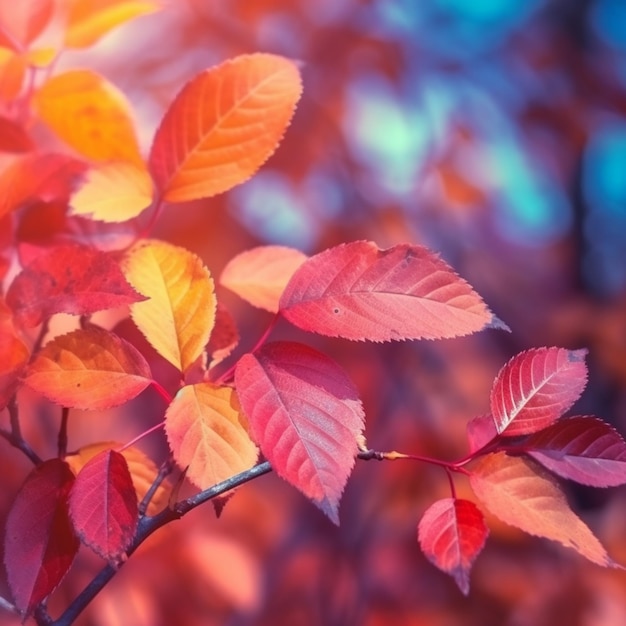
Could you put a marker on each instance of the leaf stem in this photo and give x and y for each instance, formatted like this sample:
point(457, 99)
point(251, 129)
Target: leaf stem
point(162, 391)
point(14, 436)
point(62, 440)
point(139, 437)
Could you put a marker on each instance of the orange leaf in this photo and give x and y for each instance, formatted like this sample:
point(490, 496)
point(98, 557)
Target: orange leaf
point(223, 125)
point(88, 369)
point(519, 493)
point(89, 20)
point(113, 192)
point(260, 275)
point(12, 72)
point(143, 471)
point(180, 313)
point(208, 434)
point(89, 114)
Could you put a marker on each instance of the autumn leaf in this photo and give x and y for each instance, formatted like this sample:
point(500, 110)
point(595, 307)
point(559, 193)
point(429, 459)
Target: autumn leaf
point(357, 291)
point(90, 114)
point(88, 368)
point(25, 20)
point(103, 505)
point(480, 431)
point(15, 355)
point(581, 448)
point(13, 137)
point(71, 279)
point(115, 191)
point(89, 20)
point(180, 313)
point(224, 336)
point(208, 434)
point(12, 72)
point(223, 125)
point(520, 494)
point(305, 414)
point(142, 469)
point(260, 275)
point(536, 387)
point(38, 177)
point(452, 533)
point(39, 543)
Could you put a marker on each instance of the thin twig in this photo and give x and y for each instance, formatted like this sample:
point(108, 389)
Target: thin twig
point(164, 471)
point(14, 436)
point(62, 439)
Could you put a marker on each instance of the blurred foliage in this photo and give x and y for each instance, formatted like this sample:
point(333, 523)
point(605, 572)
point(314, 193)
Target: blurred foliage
point(493, 131)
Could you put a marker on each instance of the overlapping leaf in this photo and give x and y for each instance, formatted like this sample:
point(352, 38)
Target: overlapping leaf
point(38, 177)
point(25, 20)
point(536, 387)
point(115, 191)
point(223, 125)
point(357, 291)
point(305, 414)
point(260, 275)
point(13, 137)
point(518, 493)
point(224, 336)
point(69, 279)
point(89, 20)
point(208, 434)
point(103, 505)
point(452, 533)
point(581, 448)
point(180, 313)
point(480, 431)
point(90, 115)
point(40, 543)
point(142, 469)
point(88, 369)
point(14, 353)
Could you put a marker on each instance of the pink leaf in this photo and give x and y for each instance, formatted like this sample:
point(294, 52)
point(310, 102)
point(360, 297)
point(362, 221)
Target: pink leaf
point(451, 534)
point(536, 387)
point(582, 448)
point(71, 279)
point(480, 431)
point(103, 505)
point(357, 291)
point(305, 414)
point(260, 275)
point(40, 544)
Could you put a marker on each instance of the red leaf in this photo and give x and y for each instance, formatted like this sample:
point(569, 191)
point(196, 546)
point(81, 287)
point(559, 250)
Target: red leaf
point(515, 491)
point(260, 275)
point(25, 20)
point(536, 387)
point(103, 505)
point(13, 137)
point(69, 279)
point(451, 534)
point(14, 353)
point(223, 125)
point(40, 543)
point(360, 292)
point(89, 368)
point(305, 414)
point(38, 177)
point(480, 431)
point(582, 448)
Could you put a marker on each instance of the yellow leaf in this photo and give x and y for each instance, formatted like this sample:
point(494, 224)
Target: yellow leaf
point(89, 20)
point(143, 471)
point(90, 114)
point(113, 192)
point(208, 435)
point(41, 57)
point(179, 315)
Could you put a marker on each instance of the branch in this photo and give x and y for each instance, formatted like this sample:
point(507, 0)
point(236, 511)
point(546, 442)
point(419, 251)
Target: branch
point(149, 525)
point(14, 436)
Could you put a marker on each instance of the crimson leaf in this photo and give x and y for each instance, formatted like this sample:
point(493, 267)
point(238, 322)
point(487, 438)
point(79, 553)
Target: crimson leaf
point(357, 291)
point(451, 534)
point(535, 388)
point(305, 414)
point(582, 448)
point(39, 544)
point(103, 505)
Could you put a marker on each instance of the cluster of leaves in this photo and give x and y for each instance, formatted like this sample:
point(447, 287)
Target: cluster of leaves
point(284, 400)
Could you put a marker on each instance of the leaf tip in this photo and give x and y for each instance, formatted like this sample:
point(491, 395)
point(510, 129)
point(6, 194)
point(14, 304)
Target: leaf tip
point(576, 356)
point(497, 324)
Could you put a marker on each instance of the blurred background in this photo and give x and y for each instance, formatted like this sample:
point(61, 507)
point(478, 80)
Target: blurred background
point(492, 131)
